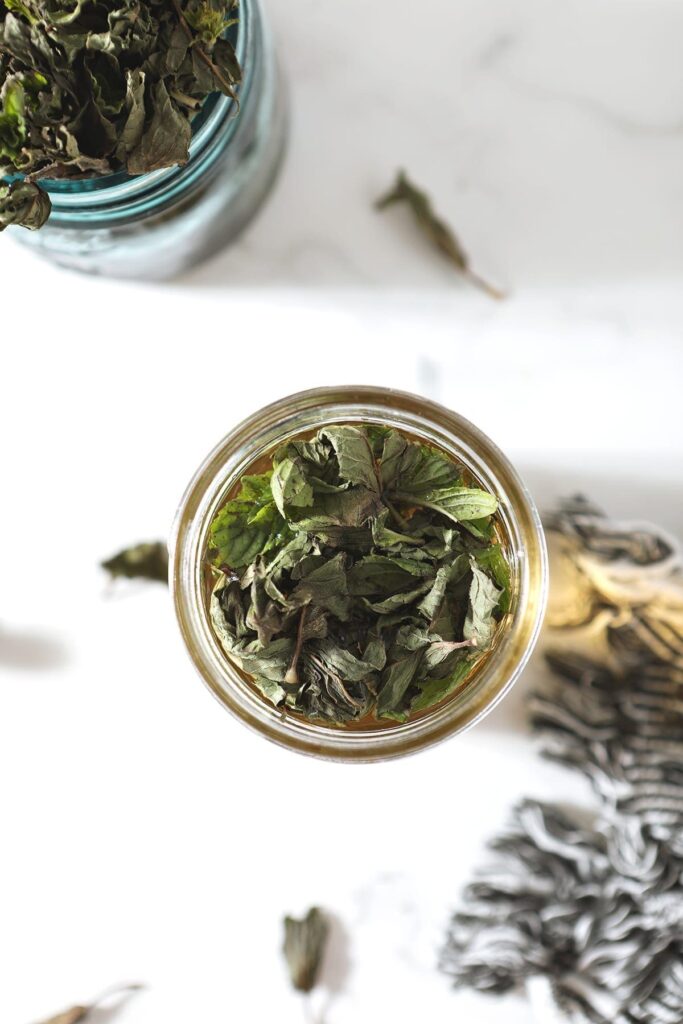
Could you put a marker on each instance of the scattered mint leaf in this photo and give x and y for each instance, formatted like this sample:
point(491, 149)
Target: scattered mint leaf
point(437, 232)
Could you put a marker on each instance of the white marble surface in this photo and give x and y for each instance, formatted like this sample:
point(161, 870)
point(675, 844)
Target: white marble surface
point(143, 834)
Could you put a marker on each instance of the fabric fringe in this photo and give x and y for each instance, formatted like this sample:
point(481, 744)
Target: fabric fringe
point(596, 909)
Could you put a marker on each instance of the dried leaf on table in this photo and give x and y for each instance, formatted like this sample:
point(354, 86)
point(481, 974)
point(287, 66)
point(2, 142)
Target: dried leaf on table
point(148, 561)
point(304, 948)
point(436, 230)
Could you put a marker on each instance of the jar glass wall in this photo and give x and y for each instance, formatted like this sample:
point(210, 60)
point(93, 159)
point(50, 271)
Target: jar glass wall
point(155, 225)
point(430, 423)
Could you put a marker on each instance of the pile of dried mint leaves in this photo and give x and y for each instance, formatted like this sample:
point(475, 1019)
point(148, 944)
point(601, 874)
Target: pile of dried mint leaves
point(90, 87)
point(360, 574)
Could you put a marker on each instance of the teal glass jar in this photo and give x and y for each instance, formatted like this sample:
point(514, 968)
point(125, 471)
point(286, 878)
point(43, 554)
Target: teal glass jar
point(156, 225)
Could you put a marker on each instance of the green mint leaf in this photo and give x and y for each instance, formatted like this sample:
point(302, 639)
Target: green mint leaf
point(290, 486)
point(376, 435)
point(353, 507)
point(354, 455)
point(384, 537)
point(440, 650)
point(327, 693)
point(134, 124)
point(446, 574)
point(415, 468)
point(397, 601)
point(268, 661)
point(325, 586)
point(460, 504)
point(208, 19)
point(12, 120)
point(351, 538)
point(433, 691)
point(493, 561)
point(166, 140)
point(482, 529)
point(396, 680)
point(344, 663)
point(379, 574)
point(249, 525)
point(484, 597)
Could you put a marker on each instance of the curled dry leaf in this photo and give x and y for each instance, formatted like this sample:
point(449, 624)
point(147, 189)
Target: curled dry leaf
point(23, 203)
point(304, 948)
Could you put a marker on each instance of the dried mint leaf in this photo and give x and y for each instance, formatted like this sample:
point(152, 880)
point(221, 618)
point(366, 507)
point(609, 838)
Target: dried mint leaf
point(148, 561)
point(441, 236)
point(80, 1012)
point(304, 948)
point(484, 597)
point(23, 203)
point(361, 574)
point(92, 87)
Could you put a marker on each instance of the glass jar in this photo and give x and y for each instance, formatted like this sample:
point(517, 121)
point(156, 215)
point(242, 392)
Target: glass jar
point(153, 226)
point(309, 411)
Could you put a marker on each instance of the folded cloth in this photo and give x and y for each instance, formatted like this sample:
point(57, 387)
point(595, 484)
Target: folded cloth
point(587, 910)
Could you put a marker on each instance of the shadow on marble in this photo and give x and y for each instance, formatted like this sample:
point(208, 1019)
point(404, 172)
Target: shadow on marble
point(111, 1008)
point(337, 963)
point(31, 651)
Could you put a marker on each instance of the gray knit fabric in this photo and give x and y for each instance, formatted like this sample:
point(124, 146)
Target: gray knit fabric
point(593, 902)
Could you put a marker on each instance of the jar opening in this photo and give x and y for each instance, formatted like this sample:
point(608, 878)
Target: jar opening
point(417, 555)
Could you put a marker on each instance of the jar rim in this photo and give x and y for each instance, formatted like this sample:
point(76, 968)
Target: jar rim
point(309, 410)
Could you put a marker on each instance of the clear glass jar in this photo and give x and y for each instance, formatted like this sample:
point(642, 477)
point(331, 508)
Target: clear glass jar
point(155, 225)
point(308, 411)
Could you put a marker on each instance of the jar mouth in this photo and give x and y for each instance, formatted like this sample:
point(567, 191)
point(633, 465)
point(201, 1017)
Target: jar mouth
point(310, 410)
point(122, 191)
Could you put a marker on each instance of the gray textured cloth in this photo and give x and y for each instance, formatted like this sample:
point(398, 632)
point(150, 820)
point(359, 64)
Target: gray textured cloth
point(593, 902)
